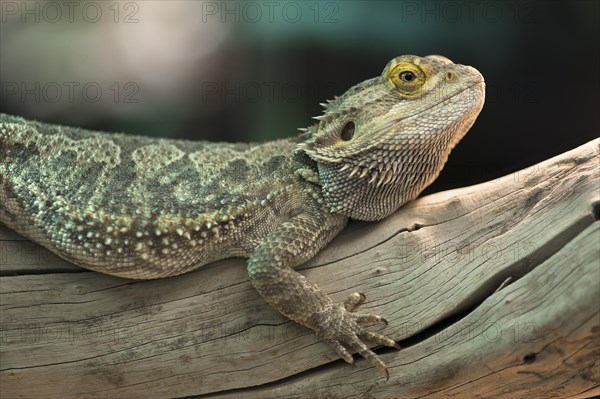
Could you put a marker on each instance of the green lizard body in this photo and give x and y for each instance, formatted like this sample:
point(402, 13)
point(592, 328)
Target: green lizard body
point(146, 208)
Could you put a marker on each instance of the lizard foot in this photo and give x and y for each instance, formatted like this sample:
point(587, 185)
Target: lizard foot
point(342, 329)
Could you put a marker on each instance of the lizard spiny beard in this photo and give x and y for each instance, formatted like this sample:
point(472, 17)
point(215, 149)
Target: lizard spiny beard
point(379, 181)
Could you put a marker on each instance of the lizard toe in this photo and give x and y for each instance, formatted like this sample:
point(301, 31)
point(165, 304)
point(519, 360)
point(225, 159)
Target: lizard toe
point(354, 300)
point(367, 319)
point(378, 339)
point(342, 351)
point(370, 356)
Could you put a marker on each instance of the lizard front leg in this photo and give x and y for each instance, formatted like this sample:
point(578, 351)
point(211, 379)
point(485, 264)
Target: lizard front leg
point(270, 268)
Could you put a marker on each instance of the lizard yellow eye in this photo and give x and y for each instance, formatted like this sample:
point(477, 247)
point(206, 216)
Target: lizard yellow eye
point(407, 77)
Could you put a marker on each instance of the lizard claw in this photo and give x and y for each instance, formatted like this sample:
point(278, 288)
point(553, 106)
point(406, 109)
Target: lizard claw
point(342, 330)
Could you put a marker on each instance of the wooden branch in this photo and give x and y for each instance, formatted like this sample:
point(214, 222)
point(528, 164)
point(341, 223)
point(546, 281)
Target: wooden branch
point(492, 290)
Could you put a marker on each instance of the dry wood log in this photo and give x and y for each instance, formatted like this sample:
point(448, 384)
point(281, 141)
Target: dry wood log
point(492, 290)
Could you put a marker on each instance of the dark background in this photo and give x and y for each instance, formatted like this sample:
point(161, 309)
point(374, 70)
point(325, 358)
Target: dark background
point(253, 71)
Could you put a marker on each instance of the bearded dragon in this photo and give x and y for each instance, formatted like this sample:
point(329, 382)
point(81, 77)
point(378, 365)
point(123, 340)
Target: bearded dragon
point(144, 208)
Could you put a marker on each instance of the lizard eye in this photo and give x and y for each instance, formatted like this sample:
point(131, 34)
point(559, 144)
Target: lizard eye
point(407, 78)
point(347, 131)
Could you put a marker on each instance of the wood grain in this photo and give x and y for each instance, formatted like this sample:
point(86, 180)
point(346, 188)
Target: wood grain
point(432, 269)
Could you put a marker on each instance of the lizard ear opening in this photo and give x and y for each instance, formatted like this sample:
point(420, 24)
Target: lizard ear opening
point(347, 132)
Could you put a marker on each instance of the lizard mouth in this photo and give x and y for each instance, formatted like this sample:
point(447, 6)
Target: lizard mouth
point(393, 122)
point(441, 102)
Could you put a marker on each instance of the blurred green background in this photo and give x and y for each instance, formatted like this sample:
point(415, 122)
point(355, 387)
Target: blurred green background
point(253, 71)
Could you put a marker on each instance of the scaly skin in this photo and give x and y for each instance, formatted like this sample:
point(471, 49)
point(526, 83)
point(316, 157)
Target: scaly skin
point(145, 208)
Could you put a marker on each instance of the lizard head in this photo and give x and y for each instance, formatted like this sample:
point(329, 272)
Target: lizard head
point(383, 141)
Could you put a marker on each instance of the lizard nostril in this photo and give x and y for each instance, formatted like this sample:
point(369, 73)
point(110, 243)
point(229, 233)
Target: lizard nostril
point(450, 76)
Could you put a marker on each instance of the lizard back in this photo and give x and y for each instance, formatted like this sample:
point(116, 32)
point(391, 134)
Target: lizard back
point(116, 201)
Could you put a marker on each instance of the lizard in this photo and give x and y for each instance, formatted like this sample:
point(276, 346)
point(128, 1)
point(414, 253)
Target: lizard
point(147, 208)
